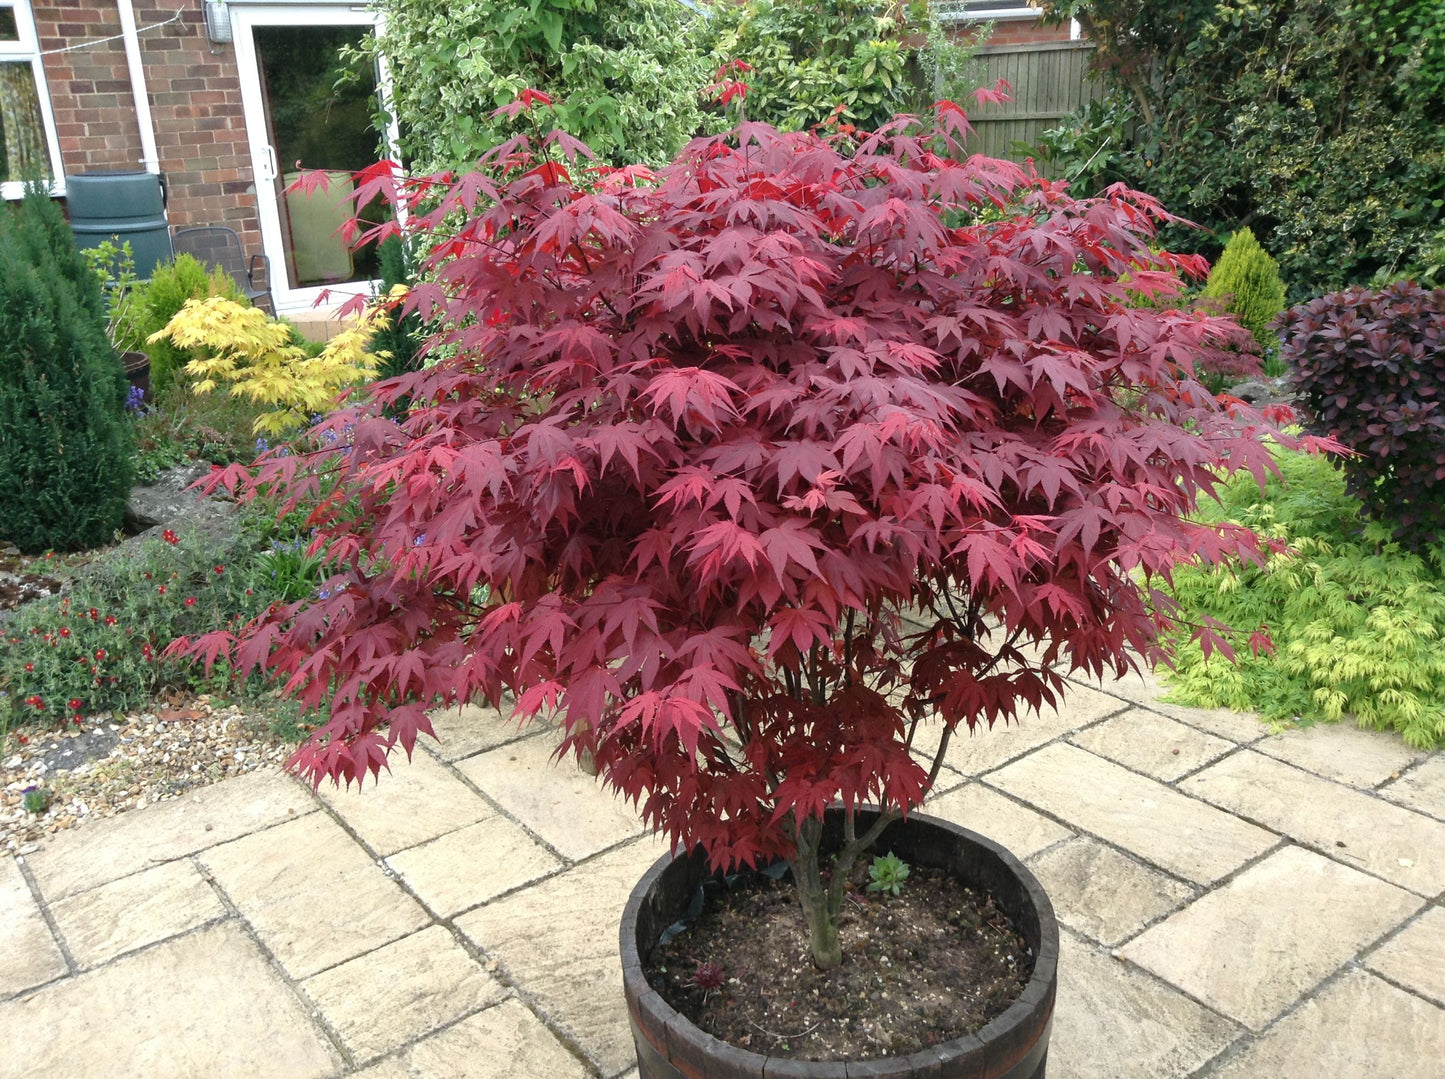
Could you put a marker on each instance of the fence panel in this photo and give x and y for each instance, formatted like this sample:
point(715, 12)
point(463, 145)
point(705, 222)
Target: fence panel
point(1049, 79)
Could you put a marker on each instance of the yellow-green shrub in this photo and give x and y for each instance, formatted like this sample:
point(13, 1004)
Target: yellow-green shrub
point(1356, 621)
point(255, 356)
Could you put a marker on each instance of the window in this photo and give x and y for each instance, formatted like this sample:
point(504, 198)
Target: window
point(985, 10)
point(28, 147)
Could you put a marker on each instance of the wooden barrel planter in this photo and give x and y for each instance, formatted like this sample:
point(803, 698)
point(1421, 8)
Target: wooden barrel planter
point(1013, 1046)
point(138, 372)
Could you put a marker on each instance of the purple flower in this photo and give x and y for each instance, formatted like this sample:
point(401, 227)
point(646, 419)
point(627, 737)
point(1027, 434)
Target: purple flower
point(135, 400)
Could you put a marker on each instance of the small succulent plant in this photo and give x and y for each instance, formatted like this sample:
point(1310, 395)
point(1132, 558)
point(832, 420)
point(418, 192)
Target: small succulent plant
point(887, 873)
point(35, 799)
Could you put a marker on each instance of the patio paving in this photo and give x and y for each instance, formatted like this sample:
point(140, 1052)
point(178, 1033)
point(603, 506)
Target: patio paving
point(1234, 904)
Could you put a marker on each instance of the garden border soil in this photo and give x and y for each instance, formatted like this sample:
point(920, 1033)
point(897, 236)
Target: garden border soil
point(1013, 1046)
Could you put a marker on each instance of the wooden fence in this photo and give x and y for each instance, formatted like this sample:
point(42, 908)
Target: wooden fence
point(1049, 79)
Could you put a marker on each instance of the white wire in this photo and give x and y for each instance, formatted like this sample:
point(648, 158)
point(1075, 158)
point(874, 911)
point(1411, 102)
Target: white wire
point(114, 37)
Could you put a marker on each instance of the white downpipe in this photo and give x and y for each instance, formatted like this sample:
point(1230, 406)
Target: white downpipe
point(150, 155)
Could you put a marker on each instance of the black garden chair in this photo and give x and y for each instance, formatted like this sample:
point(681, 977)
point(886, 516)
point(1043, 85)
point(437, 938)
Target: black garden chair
point(218, 247)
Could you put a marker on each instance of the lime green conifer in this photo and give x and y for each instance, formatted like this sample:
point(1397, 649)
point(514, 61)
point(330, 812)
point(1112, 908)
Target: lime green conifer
point(1247, 280)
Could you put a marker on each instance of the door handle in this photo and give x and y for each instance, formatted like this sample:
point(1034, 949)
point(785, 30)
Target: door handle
point(268, 165)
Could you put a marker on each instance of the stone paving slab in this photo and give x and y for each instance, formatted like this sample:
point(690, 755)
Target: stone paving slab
point(1148, 690)
point(279, 942)
point(1368, 832)
point(1416, 957)
point(557, 942)
point(1253, 947)
point(472, 865)
point(505, 1042)
point(1103, 894)
point(1358, 1027)
point(394, 995)
point(106, 851)
point(1003, 820)
point(207, 1004)
point(472, 729)
point(417, 801)
point(1112, 1021)
point(1153, 744)
point(1179, 834)
point(314, 897)
point(986, 749)
point(134, 911)
point(567, 808)
point(29, 955)
point(1422, 788)
point(1343, 752)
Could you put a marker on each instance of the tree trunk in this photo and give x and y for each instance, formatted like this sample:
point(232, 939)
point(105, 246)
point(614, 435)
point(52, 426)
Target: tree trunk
point(820, 907)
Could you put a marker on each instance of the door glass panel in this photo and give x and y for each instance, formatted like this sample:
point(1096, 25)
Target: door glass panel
point(319, 111)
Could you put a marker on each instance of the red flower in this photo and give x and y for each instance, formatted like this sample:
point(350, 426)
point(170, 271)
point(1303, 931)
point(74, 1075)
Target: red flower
point(110, 620)
point(220, 569)
point(100, 653)
point(94, 614)
point(190, 601)
point(170, 537)
point(36, 703)
point(65, 631)
point(75, 704)
point(29, 668)
point(75, 719)
point(161, 589)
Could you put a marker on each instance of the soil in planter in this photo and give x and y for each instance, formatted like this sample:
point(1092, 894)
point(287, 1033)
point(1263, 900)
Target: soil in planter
point(937, 962)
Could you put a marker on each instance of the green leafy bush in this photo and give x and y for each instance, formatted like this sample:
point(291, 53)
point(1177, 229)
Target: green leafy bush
point(65, 468)
point(156, 302)
point(1319, 123)
point(1370, 368)
point(624, 74)
point(1247, 281)
point(812, 57)
point(1356, 621)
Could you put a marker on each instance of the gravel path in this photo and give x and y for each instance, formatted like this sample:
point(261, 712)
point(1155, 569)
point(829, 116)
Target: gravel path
point(117, 763)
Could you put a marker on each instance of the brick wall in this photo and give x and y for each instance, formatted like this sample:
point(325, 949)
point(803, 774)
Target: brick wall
point(195, 99)
point(1026, 32)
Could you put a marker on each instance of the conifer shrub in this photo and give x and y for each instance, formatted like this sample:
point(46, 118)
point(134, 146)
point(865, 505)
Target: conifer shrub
point(1246, 279)
point(1370, 367)
point(1355, 621)
point(158, 300)
point(398, 343)
point(696, 441)
point(65, 454)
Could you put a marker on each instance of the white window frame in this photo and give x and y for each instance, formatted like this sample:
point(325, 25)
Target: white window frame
point(28, 48)
point(953, 12)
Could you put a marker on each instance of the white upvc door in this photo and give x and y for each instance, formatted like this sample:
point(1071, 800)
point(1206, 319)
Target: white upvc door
point(288, 56)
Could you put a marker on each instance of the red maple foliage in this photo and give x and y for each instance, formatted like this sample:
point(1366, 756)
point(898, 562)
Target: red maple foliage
point(738, 470)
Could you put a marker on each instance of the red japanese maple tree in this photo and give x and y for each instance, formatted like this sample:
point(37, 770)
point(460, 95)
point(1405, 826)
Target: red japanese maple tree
point(697, 444)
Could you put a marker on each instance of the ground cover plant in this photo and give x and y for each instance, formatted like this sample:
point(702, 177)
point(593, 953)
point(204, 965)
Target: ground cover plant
point(695, 441)
point(1356, 621)
point(100, 646)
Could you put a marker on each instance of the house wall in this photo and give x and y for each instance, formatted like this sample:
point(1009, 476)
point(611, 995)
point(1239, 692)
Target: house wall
point(195, 98)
